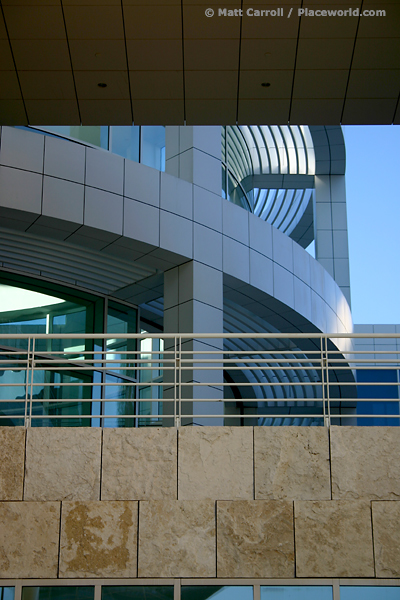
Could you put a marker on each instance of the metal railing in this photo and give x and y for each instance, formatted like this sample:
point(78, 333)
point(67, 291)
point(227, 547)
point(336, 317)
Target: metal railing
point(200, 379)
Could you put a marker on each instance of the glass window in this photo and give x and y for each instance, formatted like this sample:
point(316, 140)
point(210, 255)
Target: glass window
point(6, 593)
point(296, 592)
point(62, 390)
point(95, 136)
point(69, 592)
point(353, 592)
point(125, 141)
point(153, 147)
point(121, 374)
point(217, 592)
point(138, 592)
point(384, 392)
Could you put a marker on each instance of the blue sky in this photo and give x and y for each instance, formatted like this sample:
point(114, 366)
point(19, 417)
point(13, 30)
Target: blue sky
point(373, 212)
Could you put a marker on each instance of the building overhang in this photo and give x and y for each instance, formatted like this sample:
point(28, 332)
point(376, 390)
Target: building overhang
point(115, 61)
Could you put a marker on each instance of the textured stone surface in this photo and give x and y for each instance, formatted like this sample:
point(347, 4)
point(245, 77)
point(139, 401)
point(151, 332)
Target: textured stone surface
point(12, 458)
point(62, 463)
point(292, 463)
point(139, 464)
point(98, 539)
point(363, 464)
point(29, 537)
point(386, 526)
point(333, 539)
point(177, 538)
point(255, 539)
point(216, 463)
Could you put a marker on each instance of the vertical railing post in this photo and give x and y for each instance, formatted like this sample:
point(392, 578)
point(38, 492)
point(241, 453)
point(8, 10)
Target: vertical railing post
point(175, 363)
point(27, 382)
point(179, 360)
point(328, 402)
point(32, 370)
point(321, 340)
point(177, 381)
point(325, 379)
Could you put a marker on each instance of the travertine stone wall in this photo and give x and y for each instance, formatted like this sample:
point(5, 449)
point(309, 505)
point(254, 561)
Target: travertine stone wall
point(62, 464)
point(334, 538)
point(255, 538)
point(216, 463)
point(139, 463)
point(12, 453)
point(364, 462)
point(291, 463)
point(98, 539)
point(200, 502)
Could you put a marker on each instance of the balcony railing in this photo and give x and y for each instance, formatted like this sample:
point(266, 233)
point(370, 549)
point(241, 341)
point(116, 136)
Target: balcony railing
point(199, 379)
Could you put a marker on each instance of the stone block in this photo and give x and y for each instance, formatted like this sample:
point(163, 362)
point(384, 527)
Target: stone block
point(29, 539)
point(62, 463)
point(363, 464)
point(12, 460)
point(255, 539)
point(333, 539)
point(386, 527)
point(291, 463)
point(216, 463)
point(139, 464)
point(98, 539)
point(177, 539)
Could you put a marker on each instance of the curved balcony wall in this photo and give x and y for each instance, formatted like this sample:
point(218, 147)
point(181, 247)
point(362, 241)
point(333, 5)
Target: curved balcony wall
point(76, 215)
point(102, 209)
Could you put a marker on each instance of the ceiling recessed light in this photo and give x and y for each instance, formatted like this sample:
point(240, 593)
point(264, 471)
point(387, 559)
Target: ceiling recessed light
point(102, 85)
point(265, 84)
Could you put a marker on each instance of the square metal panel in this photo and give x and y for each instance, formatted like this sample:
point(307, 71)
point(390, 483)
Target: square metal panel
point(320, 83)
point(211, 55)
point(6, 59)
point(317, 111)
point(211, 84)
point(196, 25)
point(145, 22)
point(254, 112)
point(105, 112)
point(90, 85)
point(374, 83)
point(154, 55)
point(52, 112)
point(268, 54)
point(36, 55)
point(94, 22)
point(13, 112)
point(156, 84)
point(364, 111)
point(50, 85)
point(329, 26)
point(210, 112)
point(98, 55)
point(324, 54)
point(154, 112)
point(34, 22)
point(9, 87)
point(265, 84)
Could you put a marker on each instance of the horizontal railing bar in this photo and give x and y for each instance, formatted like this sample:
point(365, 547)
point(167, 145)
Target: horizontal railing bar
point(196, 336)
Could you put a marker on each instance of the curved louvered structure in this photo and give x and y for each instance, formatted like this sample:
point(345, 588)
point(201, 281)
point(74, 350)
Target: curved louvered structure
point(269, 171)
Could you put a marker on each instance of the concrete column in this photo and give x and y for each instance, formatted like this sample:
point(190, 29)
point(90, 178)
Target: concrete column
point(194, 154)
point(330, 229)
point(193, 303)
point(193, 292)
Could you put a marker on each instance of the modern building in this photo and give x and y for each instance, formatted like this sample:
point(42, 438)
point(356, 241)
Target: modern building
point(176, 293)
